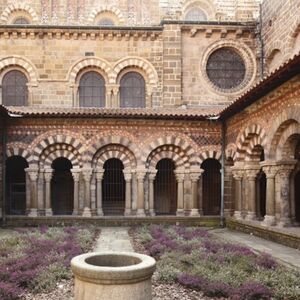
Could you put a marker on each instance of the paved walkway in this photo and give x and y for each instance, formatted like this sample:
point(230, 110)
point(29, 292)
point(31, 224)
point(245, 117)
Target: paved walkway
point(114, 239)
point(286, 255)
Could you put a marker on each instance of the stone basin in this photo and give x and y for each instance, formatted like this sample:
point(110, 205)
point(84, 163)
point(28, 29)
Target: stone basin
point(113, 275)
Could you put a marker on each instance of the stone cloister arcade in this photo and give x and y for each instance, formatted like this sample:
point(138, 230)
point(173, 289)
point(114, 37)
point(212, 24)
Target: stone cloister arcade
point(266, 172)
point(62, 175)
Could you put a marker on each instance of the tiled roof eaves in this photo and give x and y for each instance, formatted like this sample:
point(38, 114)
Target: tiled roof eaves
point(286, 71)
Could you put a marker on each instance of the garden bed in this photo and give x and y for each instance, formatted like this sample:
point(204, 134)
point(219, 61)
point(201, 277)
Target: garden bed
point(35, 262)
point(195, 263)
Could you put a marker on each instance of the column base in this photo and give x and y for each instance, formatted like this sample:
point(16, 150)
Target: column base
point(238, 215)
point(194, 212)
point(284, 222)
point(140, 212)
point(100, 212)
point(87, 212)
point(180, 212)
point(152, 212)
point(33, 212)
point(268, 221)
point(48, 212)
point(127, 212)
point(251, 216)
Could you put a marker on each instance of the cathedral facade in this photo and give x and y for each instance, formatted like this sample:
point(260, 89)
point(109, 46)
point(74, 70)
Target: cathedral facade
point(132, 108)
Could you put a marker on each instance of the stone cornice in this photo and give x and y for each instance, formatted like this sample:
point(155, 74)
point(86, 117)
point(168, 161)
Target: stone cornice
point(80, 33)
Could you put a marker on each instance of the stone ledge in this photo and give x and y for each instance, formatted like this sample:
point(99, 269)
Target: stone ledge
point(269, 233)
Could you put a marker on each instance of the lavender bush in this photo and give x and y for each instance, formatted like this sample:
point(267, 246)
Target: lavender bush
point(196, 259)
point(37, 259)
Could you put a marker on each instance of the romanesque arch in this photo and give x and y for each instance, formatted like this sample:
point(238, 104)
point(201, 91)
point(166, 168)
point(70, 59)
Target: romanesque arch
point(111, 9)
point(18, 149)
point(207, 6)
point(9, 10)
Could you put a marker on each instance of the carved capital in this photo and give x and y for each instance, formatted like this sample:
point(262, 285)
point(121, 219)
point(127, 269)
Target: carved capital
point(87, 174)
point(48, 173)
point(251, 174)
point(32, 173)
point(238, 174)
point(270, 171)
point(127, 175)
point(195, 176)
point(99, 174)
point(75, 175)
point(114, 88)
point(152, 174)
point(179, 176)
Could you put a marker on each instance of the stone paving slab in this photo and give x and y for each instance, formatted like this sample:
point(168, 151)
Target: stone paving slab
point(288, 256)
point(114, 239)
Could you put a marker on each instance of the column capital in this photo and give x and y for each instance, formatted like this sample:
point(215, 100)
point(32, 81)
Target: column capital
point(32, 173)
point(251, 172)
point(238, 174)
point(152, 174)
point(141, 173)
point(113, 87)
point(87, 173)
point(270, 170)
point(99, 174)
point(75, 174)
point(127, 175)
point(194, 176)
point(180, 176)
point(48, 173)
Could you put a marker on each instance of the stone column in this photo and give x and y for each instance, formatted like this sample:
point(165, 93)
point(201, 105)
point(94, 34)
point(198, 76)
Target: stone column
point(99, 178)
point(76, 176)
point(238, 177)
point(180, 192)
point(140, 174)
point(48, 173)
point(127, 177)
point(284, 172)
point(33, 176)
point(251, 194)
point(115, 95)
point(270, 170)
point(151, 177)
point(87, 176)
point(195, 205)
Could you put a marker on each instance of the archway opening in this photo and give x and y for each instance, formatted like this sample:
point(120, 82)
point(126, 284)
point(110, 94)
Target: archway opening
point(62, 187)
point(165, 190)
point(261, 186)
point(16, 185)
point(211, 187)
point(113, 187)
point(297, 185)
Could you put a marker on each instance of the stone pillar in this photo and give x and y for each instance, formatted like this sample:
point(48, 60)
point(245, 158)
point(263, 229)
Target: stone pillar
point(140, 193)
point(238, 177)
point(33, 176)
point(251, 193)
point(270, 170)
point(48, 173)
point(284, 172)
point(195, 203)
point(76, 176)
point(127, 177)
point(87, 176)
point(151, 177)
point(180, 174)
point(99, 178)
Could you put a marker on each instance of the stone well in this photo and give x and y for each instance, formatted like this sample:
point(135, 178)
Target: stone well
point(113, 275)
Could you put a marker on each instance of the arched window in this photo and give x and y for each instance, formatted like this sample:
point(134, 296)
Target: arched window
point(132, 90)
point(92, 90)
point(196, 14)
point(14, 89)
point(106, 22)
point(21, 21)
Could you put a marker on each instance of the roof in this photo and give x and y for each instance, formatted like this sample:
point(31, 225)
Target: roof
point(135, 113)
point(279, 76)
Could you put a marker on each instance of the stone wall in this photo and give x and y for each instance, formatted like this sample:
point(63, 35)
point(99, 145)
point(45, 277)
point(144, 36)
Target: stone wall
point(281, 27)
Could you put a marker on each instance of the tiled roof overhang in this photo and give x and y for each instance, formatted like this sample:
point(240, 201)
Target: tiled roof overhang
point(279, 76)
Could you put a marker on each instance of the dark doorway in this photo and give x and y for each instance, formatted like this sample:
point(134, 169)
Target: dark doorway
point(211, 186)
point(297, 197)
point(16, 185)
point(262, 196)
point(165, 189)
point(113, 187)
point(62, 187)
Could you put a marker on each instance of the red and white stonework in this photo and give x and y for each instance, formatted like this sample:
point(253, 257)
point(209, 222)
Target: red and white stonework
point(167, 156)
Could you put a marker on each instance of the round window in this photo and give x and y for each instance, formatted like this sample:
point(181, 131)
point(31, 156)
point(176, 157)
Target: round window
point(226, 69)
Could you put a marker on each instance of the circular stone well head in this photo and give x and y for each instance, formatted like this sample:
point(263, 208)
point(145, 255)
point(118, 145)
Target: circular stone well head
point(113, 267)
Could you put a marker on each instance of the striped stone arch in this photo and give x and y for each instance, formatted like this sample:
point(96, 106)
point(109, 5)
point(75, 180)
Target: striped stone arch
point(276, 45)
point(18, 149)
point(112, 140)
point(55, 151)
point(91, 62)
point(244, 140)
point(18, 7)
point(96, 11)
point(186, 148)
point(283, 150)
point(56, 141)
point(231, 151)
point(114, 151)
point(133, 61)
point(253, 150)
point(25, 64)
point(174, 153)
point(214, 154)
point(279, 124)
